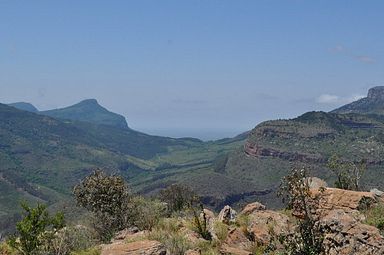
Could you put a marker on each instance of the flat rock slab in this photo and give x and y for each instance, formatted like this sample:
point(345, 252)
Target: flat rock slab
point(145, 247)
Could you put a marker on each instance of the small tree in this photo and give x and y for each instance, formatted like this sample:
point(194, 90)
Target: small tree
point(107, 197)
point(348, 173)
point(296, 193)
point(177, 197)
point(36, 229)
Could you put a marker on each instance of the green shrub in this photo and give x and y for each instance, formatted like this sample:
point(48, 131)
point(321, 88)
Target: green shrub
point(208, 248)
point(177, 197)
point(177, 244)
point(221, 230)
point(91, 251)
point(243, 221)
point(36, 230)
point(167, 231)
point(375, 217)
point(71, 239)
point(5, 249)
point(107, 197)
point(258, 249)
point(146, 213)
point(170, 225)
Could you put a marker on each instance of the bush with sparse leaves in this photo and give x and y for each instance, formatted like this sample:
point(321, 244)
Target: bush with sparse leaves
point(107, 197)
point(348, 173)
point(146, 213)
point(177, 197)
point(309, 236)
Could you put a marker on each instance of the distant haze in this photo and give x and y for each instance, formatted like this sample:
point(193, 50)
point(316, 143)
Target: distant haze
point(206, 69)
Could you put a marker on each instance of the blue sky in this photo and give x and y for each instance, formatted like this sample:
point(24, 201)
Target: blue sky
point(191, 68)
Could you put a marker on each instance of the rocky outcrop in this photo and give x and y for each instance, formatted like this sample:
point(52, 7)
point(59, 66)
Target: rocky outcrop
point(373, 103)
point(261, 227)
point(127, 233)
point(346, 200)
point(316, 183)
point(376, 93)
point(339, 217)
point(227, 215)
point(209, 215)
point(342, 221)
point(255, 150)
point(346, 235)
point(265, 224)
point(144, 247)
point(378, 194)
point(250, 208)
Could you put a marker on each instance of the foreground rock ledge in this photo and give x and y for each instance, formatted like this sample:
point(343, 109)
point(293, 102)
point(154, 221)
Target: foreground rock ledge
point(145, 247)
point(339, 214)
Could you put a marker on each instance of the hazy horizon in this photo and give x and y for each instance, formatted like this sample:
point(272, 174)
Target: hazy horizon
point(202, 133)
point(205, 69)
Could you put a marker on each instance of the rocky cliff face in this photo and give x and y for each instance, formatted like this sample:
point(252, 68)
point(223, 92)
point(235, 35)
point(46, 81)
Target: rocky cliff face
point(255, 150)
point(376, 93)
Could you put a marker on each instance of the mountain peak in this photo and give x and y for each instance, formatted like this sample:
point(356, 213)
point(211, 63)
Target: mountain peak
point(88, 110)
point(90, 101)
point(24, 106)
point(376, 93)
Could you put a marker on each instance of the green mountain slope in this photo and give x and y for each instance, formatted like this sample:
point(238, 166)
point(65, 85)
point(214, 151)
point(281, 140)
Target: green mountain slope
point(41, 158)
point(89, 111)
point(372, 104)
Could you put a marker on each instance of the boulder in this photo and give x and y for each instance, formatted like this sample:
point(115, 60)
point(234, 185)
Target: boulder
point(125, 233)
point(237, 238)
point(210, 216)
point(347, 200)
point(227, 215)
point(250, 208)
point(266, 224)
point(144, 247)
point(377, 193)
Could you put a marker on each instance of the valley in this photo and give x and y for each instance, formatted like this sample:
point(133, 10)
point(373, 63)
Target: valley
point(42, 157)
